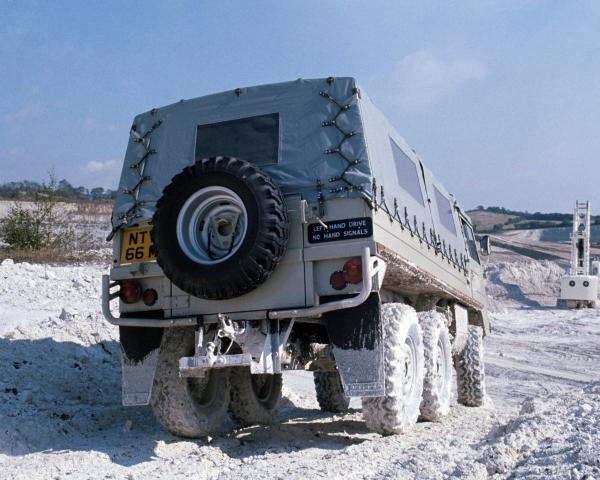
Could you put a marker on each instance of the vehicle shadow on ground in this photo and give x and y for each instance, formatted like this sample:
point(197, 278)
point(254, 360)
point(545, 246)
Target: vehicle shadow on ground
point(296, 429)
point(63, 396)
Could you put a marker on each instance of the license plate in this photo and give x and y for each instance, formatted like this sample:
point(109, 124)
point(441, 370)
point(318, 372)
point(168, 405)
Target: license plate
point(137, 246)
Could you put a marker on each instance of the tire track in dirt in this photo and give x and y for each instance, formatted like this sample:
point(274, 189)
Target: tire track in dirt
point(549, 372)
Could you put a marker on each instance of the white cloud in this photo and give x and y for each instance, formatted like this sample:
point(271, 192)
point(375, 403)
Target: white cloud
point(15, 155)
point(92, 124)
point(422, 77)
point(95, 166)
point(27, 112)
point(16, 152)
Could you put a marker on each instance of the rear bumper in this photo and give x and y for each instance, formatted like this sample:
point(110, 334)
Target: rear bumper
point(107, 296)
point(371, 266)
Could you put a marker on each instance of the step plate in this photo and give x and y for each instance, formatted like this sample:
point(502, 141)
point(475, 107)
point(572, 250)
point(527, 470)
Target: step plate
point(198, 366)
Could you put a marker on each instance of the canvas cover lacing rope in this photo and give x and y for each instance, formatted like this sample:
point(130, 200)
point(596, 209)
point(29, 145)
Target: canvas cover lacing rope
point(143, 139)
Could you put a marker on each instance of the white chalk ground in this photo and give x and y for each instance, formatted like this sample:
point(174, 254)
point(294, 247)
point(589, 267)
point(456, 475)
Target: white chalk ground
point(61, 416)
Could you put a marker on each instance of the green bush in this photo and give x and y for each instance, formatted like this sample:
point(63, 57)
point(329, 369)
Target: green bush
point(25, 229)
point(43, 224)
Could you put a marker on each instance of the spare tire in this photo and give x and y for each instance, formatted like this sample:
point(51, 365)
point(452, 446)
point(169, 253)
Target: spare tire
point(220, 228)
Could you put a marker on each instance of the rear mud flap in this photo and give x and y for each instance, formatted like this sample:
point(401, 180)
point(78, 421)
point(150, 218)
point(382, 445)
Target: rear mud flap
point(356, 338)
point(140, 348)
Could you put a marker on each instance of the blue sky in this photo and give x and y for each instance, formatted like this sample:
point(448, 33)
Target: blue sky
point(500, 98)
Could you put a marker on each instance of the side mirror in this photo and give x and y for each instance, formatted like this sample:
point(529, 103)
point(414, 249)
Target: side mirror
point(486, 245)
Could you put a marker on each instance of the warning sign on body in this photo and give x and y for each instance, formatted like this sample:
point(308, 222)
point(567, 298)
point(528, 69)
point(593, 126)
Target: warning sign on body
point(348, 229)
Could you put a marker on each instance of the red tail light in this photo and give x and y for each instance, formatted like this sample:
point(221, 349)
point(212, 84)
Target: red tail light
point(351, 273)
point(353, 270)
point(130, 291)
point(149, 296)
point(337, 280)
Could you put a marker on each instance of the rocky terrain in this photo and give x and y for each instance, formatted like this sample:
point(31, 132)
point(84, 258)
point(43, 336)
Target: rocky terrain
point(61, 416)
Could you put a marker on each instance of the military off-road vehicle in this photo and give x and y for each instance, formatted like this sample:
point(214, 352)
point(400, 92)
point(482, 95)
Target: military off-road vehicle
point(289, 226)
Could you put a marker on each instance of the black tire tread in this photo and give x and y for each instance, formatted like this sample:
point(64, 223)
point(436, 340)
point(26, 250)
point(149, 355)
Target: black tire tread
point(245, 407)
point(264, 255)
point(330, 393)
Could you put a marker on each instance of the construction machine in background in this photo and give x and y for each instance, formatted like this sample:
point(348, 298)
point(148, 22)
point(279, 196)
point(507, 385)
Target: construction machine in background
point(580, 288)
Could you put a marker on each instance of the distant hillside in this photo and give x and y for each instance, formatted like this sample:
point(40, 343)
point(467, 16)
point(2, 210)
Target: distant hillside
point(62, 190)
point(498, 219)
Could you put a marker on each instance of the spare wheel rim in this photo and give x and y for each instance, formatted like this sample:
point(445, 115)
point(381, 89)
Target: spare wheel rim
point(212, 225)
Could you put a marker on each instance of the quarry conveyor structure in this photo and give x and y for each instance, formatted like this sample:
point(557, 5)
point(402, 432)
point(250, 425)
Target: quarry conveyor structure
point(579, 288)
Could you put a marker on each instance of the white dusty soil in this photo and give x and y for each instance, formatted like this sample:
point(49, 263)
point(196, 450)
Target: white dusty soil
point(61, 416)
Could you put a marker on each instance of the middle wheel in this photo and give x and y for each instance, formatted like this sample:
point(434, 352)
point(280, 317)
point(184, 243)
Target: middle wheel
point(437, 385)
point(254, 398)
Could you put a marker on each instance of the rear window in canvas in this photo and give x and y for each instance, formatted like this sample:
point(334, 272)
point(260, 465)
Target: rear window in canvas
point(254, 139)
point(406, 170)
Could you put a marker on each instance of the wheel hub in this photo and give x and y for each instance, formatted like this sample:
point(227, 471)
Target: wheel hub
point(262, 386)
point(410, 367)
point(439, 370)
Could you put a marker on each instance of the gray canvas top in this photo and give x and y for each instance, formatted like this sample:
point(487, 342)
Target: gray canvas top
point(319, 137)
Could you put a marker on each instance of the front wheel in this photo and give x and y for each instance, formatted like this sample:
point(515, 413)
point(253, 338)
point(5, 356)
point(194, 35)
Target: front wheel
point(187, 407)
point(398, 410)
point(470, 370)
point(254, 398)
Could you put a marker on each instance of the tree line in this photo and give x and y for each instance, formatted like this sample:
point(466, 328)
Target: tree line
point(63, 190)
point(563, 218)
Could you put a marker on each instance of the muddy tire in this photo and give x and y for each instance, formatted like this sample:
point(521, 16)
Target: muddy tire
point(330, 393)
point(437, 383)
point(187, 407)
point(255, 399)
point(470, 370)
point(398, 410)
point(220, 228)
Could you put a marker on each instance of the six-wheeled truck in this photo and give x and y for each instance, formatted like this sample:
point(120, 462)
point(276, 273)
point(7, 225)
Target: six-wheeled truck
point(289, 226)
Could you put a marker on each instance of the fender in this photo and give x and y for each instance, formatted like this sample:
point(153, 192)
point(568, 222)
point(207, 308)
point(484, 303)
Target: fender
point(356, 337)
point(140, 349)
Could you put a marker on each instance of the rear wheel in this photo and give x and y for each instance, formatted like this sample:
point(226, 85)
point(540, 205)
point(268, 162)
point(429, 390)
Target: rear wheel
point(398, 410)
point(254, 398)
point(437, 384)
point(330, 393)
point(187, 407)
point(470, 370)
